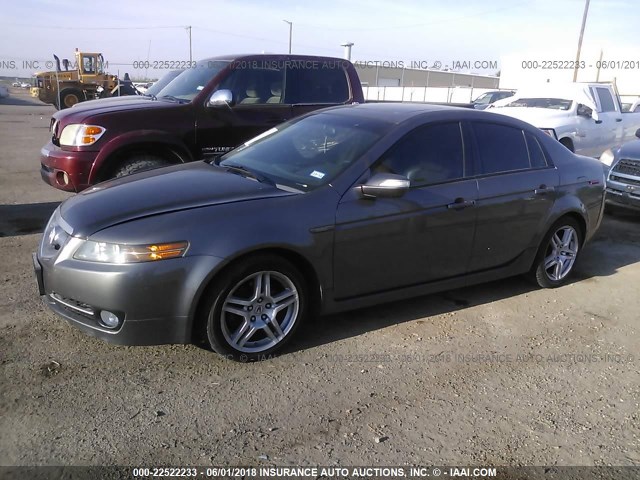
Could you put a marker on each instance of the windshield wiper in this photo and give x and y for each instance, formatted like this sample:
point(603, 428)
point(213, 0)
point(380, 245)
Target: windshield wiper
point(247, 172)
point(175, 99)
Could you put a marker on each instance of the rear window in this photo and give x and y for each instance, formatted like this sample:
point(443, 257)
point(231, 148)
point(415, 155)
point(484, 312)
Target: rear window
point(325, 84)
point(500, 148)
point(606, 100)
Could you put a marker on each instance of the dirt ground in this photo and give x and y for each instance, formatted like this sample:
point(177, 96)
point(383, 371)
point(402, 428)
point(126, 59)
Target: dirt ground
point(500, 374)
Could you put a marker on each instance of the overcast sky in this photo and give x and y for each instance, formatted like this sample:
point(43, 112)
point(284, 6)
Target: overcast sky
point(399, 30)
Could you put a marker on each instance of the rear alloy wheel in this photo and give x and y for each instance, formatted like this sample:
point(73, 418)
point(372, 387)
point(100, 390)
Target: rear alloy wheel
point(257, 309)
point(558, 255)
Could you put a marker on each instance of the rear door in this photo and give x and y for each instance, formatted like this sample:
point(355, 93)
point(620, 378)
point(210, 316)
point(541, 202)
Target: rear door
point(425, 235)
point(259, 104)
point(517, 188)
point(317, 84)
point(611, 126)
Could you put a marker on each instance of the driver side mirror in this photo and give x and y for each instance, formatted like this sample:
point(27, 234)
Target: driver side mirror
point(385, 185)
point(584, 111)
point(221, 97)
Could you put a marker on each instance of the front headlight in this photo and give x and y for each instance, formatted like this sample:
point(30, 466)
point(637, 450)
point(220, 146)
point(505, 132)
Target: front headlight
point(550, 131)
point(80, 135)
point(607, 157)
point(103, 252)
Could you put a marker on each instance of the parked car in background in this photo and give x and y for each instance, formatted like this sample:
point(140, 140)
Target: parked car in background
point(168, 77)
point(4, 91)
point(142, 86)
point(25, 85)
point(623, 174)
point(631, 106)
point(487, 98)
point(343, 208)
point(16, 84)
point(207, 110)
point(585, 117)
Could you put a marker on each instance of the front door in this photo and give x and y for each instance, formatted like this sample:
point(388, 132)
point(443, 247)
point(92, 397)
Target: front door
point(426, 235)
point(259, 104)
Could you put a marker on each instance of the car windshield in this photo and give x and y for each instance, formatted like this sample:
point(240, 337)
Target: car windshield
point(552, 103)
point(309, 153)
point(483, 99)
point(187, 85)
point(163, 82)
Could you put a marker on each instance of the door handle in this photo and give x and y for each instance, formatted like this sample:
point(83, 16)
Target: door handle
point(543, 189)
point(460, 203)
point(618, 119)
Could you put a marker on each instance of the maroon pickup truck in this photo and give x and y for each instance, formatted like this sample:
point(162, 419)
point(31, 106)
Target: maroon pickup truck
point(207, 110)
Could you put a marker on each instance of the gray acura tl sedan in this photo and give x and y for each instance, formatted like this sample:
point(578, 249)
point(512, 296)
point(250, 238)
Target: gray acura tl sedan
point(340, 209)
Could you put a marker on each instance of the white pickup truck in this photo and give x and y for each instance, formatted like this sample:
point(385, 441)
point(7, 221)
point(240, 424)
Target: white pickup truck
point(585, 117)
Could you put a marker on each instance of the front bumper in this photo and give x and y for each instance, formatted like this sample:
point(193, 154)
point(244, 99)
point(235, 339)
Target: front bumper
point(623, 195)
point(66, 170)
point(154, 300)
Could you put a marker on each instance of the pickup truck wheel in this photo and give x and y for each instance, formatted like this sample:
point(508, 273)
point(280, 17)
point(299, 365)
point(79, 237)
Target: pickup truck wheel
point(558, 254)
point(69, 97)
point(139, 163)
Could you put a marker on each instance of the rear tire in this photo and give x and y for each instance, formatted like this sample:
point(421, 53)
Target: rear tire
point(139, 163)
point(557, 254)
point(69, 97)
point(254, 308)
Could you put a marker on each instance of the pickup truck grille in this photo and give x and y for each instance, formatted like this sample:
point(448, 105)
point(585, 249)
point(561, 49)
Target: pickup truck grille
point(628, 167)
point(625, 180)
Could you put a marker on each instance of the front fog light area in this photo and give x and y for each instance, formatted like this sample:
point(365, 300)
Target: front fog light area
point(109, 319)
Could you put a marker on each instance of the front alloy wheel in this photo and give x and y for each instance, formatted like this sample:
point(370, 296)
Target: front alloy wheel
point(257, 309)
point(557, 258)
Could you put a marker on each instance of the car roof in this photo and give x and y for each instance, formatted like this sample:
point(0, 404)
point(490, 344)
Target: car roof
point(396, 112)
point(247, 56)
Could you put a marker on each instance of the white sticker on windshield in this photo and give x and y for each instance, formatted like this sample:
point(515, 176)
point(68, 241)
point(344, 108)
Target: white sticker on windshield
point(316, 174)
point(200, 87)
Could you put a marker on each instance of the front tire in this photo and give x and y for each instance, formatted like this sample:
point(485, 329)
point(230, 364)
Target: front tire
point(558, 254)
point(69, 97)
point(139, 163)
point(255, 308)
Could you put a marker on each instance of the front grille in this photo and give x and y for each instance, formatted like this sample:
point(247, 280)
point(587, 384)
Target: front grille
point(74, 305)
point(53, 128)
point(628, 167)
point(629, 181)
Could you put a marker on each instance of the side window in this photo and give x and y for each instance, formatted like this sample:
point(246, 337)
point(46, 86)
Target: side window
point(255, 85)
point(637, 109)
point(606, 100)
point(500, 148)
point(536, 155)
point(325, 84)
point(427, 155)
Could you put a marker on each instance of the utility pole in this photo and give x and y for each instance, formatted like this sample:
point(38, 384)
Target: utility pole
point(290, 32)
point(190, 52)
point(347, 49)
point(584, 23)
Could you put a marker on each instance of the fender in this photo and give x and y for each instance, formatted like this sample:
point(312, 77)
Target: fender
point(133, 138)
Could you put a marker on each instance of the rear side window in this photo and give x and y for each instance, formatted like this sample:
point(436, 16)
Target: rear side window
point(606, 100)
point(536, 155)
point(500, 148)
point(325, 84)
point(427, 155)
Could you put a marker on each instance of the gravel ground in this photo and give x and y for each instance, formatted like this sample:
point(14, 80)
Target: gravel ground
point(500, 374)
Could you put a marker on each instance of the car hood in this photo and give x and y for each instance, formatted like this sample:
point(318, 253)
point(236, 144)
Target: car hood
point(78, 113)
point(538, 117)
point(159, 191)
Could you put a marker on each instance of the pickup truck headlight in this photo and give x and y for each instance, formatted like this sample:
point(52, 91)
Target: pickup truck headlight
point(103, 252)
point(79, 135)
point(550, 131)
point(607, 157)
